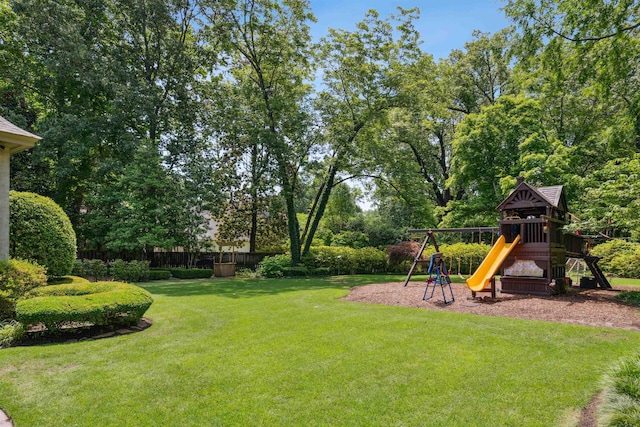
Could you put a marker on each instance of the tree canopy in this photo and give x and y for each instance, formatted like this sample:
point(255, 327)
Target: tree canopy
point(159, 114)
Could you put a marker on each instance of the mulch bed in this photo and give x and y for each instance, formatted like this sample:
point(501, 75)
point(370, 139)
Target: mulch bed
point(38, 336)
point(590, 307)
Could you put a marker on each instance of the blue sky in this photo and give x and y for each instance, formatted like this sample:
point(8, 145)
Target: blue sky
point(444, 24)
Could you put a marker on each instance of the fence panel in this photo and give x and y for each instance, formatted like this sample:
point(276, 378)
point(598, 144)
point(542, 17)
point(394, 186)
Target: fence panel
point(180, 259)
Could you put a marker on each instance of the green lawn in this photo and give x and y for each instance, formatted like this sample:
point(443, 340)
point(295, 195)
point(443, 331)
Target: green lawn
point(623, 281)
point(290, 352)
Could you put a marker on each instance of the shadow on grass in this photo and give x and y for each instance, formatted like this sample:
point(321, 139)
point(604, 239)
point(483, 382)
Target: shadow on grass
point(247, 288)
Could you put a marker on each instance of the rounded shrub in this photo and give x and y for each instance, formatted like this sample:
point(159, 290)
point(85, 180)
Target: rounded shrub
point(17, 277)
point(41, 232)
point(99, 303)
point(274, 266)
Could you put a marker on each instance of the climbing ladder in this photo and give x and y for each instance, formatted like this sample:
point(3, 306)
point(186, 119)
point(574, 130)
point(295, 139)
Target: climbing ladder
point(592, 263)
point(438, 276)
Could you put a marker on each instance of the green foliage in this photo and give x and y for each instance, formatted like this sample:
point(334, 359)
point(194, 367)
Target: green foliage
point(621, 396)
point(274, 266)
point(95, 268)
point(263, 335)
point(191, 273)
point(41, 232)
point(631, 297)
point(10, 332)
point(100, 303)
point(17, 277)
point(65, 280)
point(464, 258)
point(159, 274)
point(79, 268)
point(610, 198)
point(297, 271)
point(619, 257)
point(132, 271)
point(346, 260)
point(352, 239)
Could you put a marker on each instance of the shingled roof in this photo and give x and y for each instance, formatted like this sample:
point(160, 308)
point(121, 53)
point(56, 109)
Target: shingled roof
point(525, 195)
point(15, 138)
point(553, 194)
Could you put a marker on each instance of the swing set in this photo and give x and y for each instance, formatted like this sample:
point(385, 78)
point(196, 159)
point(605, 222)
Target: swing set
point(437, 270)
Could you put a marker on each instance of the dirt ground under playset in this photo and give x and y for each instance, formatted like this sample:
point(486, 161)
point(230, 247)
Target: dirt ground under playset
point(590, 307)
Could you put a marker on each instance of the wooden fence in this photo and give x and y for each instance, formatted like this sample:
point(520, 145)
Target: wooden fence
point(180, 259)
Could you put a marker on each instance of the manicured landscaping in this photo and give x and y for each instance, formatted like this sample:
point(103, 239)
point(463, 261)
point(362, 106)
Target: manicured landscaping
point(290, 352)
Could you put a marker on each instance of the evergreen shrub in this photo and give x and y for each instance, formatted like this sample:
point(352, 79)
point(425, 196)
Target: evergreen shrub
point(132, 271)
point(17, 277)
point(191, 273)
point(274, 266)
point(41, 232)
point(619, 258)
point(159, 274)
point(345, 260)
point(100, 303)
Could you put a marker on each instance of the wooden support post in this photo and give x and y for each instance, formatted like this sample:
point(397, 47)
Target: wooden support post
point(493, 287)
point(418, 255)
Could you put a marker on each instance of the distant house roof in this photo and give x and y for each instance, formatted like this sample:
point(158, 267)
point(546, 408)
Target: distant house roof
point(14, 138)
point(528, 196)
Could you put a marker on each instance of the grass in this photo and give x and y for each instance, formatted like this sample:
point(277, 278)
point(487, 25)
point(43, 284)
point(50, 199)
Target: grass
point(623, 281)
point(621, 397)
point(290, 352)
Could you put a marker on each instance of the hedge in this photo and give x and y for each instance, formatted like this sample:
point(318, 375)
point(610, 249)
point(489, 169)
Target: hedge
point(159, 274)
point(462, 258)
point(326, 260)
point(191, 273)
point(345, 260)
point(100, 303)
point(41, 231)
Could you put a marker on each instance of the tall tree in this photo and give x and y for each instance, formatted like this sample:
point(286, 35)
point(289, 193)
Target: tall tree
point(361, 77)
point(268, 43)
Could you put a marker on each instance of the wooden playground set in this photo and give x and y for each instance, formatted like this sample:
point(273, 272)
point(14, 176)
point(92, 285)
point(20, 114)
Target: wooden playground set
point(530, 254)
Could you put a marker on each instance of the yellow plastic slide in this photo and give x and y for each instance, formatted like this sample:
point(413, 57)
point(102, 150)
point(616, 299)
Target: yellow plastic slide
point(491, 264)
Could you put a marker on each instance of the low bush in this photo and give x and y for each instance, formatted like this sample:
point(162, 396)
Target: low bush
point(132, 271)
point(78, 268)
point(95, 268)
point(100, 303)
point(159, 274)
point(631, 297)
point(17, 277)
point(326, 260)
point(274, 266)
point(621, 396)
point(298, 271)
point(402, 253)
point(463, 258)
point(191, 273)
point(345, 260)
point(619, 258)
point(10, 332)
